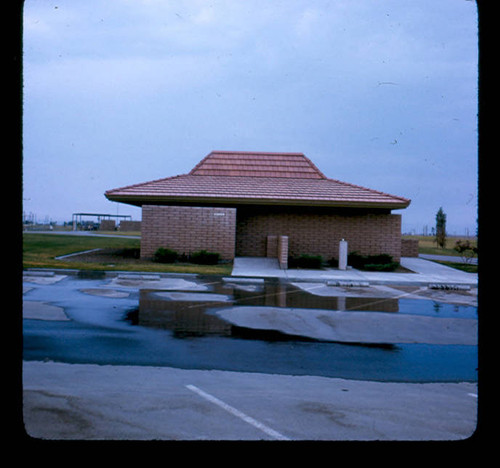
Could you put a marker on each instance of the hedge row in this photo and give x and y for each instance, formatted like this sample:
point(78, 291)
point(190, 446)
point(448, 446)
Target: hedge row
point(381, 262)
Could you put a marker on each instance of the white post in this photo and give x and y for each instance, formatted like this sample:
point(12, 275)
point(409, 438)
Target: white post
point(343, 255)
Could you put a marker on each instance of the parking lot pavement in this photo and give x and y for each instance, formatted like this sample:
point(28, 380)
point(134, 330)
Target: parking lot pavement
point(84, 402)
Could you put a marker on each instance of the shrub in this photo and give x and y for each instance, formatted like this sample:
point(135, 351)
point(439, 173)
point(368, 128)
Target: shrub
point(391, 266)
point(333, 262)
point(203, 257)
point(466, 250)
point(183, 258)
point(382, 259)
point(305, 261)
point(163, 255)
point(131, 253)
point(380, 262)
point(356, 260)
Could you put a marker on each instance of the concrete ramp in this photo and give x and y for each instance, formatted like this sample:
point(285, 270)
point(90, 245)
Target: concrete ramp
point(257, 267)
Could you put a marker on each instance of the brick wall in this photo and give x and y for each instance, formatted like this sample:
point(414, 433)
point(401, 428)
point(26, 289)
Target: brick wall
point(188, 229)
point(318, 232)
point(409, 247)
point(107, 225)
point(272, 246)
point(127, 226)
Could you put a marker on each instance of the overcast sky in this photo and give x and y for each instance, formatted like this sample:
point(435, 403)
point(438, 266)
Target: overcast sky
point(379, 93)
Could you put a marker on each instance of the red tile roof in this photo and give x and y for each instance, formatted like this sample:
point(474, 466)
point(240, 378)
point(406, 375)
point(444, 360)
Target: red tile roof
point(241, 163)
point(255, 178)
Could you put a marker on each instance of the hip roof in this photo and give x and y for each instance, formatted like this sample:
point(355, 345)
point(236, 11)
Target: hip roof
point(228, 177)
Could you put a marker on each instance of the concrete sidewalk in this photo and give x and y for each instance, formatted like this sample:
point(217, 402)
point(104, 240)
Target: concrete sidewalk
point(425, 272)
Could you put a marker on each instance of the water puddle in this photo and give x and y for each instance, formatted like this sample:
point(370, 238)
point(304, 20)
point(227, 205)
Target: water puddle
point(189, 313)
point(276, 311)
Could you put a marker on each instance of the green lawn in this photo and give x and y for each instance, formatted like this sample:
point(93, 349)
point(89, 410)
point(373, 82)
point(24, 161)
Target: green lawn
point(469, 268)
point(40, 250)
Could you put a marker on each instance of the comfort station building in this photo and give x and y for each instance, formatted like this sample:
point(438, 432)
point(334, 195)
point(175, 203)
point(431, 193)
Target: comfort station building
point(260, 204)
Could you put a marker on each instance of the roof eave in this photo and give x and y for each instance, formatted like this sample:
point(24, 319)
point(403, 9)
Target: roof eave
point(158, 199)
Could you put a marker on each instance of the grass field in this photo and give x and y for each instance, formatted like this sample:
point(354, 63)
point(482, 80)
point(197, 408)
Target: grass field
point(40, 250)
point(427, 244)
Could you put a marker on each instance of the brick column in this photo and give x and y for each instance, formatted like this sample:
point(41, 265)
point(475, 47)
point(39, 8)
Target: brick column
point(283, 252)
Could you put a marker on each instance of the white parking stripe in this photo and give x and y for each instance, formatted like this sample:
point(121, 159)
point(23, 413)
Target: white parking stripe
point(267, 430)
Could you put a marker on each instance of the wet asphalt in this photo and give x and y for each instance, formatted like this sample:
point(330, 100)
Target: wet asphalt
point(197, 323)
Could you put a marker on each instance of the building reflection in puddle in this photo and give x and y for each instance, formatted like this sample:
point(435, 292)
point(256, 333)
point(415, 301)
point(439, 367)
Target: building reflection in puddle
point(188, 313)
